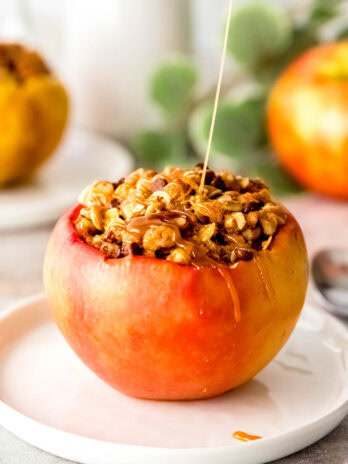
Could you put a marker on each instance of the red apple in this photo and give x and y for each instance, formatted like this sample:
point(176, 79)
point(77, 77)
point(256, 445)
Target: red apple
point(155, 329)
point(308, 119)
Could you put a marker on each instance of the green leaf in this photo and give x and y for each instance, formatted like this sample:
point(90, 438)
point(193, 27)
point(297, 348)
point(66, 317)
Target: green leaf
point(239, 126)
point(155, 149)
point(267, 71)
point(197, 124)
point(268, 168)
point(343, 34)
point(172, 85)
point(323, 11)
point(258, 31)
point(151, 146)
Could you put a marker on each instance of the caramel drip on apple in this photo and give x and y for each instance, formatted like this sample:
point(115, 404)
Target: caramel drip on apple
point(264, 275)
point(217, 98)
point(224, 272)
point(242, 436)
point(200, 257)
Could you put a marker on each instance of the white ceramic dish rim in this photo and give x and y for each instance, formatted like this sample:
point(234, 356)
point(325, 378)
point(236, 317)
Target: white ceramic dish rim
point(46, 215)
point(329, 421)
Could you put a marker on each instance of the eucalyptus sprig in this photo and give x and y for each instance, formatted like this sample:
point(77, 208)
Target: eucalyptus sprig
point(263, 39)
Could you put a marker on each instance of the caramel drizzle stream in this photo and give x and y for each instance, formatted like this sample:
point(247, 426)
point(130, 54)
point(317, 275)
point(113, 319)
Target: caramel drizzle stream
point(264, 275)
point(217, 98)
point(242, 436)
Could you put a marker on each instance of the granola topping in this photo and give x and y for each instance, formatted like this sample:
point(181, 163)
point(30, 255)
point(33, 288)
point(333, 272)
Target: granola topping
point(162, 215)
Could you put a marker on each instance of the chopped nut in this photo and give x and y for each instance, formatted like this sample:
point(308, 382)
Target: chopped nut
point(85, 227)
point(262, 195)
point(231, 182)
point(179, 256)
point(208, 211)
point(159, 237)
point(155, 206)
point(112, 217)
point(96, 216)
point(252, 234)
point(161, 196)
point(252, 218)
point(229, 222)
point(206, 232)
point(230, 203)
point(134, 205)
point(122, 191)
point(269, 223)
point(244, 182)
point(140, 173)
point(240, 220)
point(213, 248)
point(235, 221)
point(85, 212)
point(144, 186)
point(176, 189)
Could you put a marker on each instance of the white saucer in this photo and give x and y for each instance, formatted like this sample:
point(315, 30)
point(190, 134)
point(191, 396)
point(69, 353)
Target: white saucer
point(82, 158)
point(51, 400)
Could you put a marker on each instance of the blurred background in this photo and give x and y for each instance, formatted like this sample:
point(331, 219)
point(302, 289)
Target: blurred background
point(98, 89)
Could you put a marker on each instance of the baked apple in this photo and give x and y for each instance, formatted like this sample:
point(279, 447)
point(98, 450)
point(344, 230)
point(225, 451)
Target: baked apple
point(33, 112)
point(308, 119)
point(170, 293)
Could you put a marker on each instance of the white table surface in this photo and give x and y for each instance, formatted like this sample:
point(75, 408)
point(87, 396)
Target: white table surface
point(324, 222)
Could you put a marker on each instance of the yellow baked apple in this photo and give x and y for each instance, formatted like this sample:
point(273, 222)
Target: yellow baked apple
point(33, 112)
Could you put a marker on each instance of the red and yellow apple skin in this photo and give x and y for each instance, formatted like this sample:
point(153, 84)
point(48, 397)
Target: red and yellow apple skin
point(154, 329)
point(308, 119)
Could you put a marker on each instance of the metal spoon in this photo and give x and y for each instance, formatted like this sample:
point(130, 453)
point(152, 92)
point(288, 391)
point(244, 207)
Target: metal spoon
point(330, 275)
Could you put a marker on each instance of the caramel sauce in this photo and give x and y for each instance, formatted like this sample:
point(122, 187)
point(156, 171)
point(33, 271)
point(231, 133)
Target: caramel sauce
point(264, 275)
point(242, 436)
point(141, 224)
point(217, 97)
point(233, 292)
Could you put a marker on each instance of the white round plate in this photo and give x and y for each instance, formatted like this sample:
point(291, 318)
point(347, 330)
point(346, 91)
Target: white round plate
point(51, 400)
point(81, 158)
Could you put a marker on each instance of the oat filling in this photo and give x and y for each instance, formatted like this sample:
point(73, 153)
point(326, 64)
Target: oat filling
point(163, 215)
point(19, 63)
